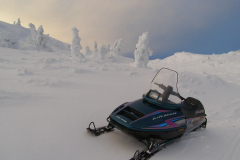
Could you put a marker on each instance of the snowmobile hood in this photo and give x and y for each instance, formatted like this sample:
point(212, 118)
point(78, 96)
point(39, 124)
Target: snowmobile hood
point(144, 106)
point(142, 115)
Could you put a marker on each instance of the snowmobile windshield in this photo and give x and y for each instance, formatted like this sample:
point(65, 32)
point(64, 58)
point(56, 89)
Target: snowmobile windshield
point(163, 88)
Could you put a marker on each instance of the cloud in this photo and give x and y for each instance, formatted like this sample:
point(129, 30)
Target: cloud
point(171, 24)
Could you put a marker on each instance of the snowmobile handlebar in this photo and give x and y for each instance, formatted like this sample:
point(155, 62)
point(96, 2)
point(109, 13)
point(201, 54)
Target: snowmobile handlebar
point(172, 92)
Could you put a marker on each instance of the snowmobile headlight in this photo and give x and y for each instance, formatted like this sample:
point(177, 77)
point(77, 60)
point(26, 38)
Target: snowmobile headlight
point(153, 95)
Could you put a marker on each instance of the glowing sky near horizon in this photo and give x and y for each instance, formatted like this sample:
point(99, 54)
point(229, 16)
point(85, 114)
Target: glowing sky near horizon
point(199, 26)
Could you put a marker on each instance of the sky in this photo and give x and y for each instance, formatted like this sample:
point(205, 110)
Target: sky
point(199, 26)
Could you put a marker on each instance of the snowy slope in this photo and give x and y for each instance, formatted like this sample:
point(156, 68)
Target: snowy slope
point(226, 65)
point(48, 100)
point(19, 35)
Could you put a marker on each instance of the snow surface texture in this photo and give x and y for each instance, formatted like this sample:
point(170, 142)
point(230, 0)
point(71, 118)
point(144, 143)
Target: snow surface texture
point(48, 100)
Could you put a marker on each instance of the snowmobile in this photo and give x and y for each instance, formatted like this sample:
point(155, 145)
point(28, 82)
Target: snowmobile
point(161, 117)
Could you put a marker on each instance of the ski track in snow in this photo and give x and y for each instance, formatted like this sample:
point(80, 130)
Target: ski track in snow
point(232, 148)
point(48, 100)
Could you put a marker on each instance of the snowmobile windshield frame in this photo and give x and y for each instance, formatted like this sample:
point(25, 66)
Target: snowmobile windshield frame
point(163, 90)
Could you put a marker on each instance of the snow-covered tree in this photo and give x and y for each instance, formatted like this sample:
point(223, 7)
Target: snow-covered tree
point(76, 47)
point(103, 51)
point(8, 40)
point(33, 31)
point(116, 48)
point(87, 51)
point(14, 23)
point(38, 39)
point(41, 39)
point(142, 51)
point(18, 22)
point(95, 47)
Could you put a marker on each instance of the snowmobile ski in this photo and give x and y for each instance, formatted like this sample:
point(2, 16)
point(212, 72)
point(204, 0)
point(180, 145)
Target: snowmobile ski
point(100, 130)
point(156, 146)
point(152, 149)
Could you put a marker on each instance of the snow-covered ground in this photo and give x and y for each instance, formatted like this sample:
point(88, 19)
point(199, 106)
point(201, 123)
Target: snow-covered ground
point(48, 99)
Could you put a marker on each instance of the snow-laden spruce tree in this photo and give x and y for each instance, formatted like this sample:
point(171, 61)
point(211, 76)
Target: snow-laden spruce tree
point(18, 22)
point(103, 51)
point(76, 47)
point(95, 47)
point(95, 53)
point(142, 51)
point(87, 51)
point(41, 39)
point(8, 40)
point(37, 39)
point(33, 31)
point(116, 48)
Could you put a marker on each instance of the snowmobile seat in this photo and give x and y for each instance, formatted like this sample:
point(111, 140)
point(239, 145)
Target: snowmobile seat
point(190, 104)
point(192, 107)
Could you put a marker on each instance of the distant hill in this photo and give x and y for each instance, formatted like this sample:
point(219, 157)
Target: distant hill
point(225, 65)
point(12, 36)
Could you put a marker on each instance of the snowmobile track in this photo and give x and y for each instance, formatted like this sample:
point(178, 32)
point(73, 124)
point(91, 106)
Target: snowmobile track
point(233, 148)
